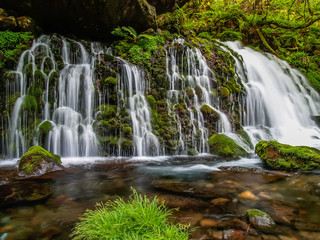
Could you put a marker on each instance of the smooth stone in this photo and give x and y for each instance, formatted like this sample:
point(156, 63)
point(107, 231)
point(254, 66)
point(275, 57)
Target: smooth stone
point(247, 194)
point(259, 219)
point(208, 222)
point(220, 201)
point(50, 232)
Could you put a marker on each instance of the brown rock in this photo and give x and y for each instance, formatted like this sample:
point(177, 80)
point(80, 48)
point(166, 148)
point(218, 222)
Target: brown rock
point(49, 232)
point(174, 201)
point(188, 217)
point(209, 222)
point(247, 194)
point(8, 23)
point(25, 24)
point(220, 201)
point(7, 228)
point(23, 191)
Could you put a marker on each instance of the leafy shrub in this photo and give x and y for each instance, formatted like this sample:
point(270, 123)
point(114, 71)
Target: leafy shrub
point(139, 218)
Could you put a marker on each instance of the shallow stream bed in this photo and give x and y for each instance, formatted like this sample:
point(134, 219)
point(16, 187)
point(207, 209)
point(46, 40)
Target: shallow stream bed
point(212, 194)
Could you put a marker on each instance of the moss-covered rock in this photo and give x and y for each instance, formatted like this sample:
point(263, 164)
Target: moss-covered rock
point(38, 161)
point(259, 219)
point(286, 157)
point(222, 145)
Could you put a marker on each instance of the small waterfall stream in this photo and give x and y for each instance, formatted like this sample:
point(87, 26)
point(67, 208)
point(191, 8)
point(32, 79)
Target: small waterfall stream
point(190, 80)
point(279, 103)
point(132, 83)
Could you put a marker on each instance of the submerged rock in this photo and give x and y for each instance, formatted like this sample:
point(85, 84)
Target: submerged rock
point(38, 161)
point(259, 219)
point(222, 145)
point(285, 157)
point(23, 191)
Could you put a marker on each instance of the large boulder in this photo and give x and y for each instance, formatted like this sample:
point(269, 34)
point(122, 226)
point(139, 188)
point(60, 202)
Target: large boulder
point(38, 161)
point(285, 157)
point(91, 19)
point(222, 145)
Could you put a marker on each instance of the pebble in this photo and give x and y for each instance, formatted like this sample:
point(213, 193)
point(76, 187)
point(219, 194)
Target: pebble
point(247, 194)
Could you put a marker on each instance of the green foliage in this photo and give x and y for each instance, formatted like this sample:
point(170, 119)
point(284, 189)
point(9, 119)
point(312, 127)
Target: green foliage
point(222, 145)
point(224, 92)
point(139, 218)
point(138, 49)
point(286, 157)
point(125, 32)
point(288, 29)
point(12, 44)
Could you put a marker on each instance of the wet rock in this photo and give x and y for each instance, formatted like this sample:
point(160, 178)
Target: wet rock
point(188, 217)
point(259, 219)
point(208, 222)
point(269, 237)
point(281, 211)
point(310, 235)
point(232, 234)
point(220, 201)
point(255, 175)
point(197, 189)
point(248, 195)
point(7, 228)
point(23, 191)
point(174, 201)
point(286, 157)
point(50, 232)
point(37, 161)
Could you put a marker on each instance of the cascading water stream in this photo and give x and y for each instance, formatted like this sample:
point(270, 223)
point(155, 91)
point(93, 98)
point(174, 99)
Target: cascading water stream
point(280, 103)
point(132, 88)
point(188, 71)
point(67, 111)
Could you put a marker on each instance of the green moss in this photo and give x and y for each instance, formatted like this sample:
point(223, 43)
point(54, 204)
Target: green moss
point(110, 82)
point(255, 212)
point(198, 91)
point(224, 92)
point(29, 104)
point(32, 159)
point(286, 157)
point(222, 145)
point(45, 127)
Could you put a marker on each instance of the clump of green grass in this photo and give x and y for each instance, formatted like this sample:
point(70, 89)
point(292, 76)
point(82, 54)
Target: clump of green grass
point(138, 218)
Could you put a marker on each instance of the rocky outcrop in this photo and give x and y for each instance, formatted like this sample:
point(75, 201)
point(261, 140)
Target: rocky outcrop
point(285, 157)
point(38, 161)
point(90, 19)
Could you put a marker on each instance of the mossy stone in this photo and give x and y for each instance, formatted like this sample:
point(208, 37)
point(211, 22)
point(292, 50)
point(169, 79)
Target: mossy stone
point(38, 161)
point(222, 145)
point(259, 219)
point(286, 157)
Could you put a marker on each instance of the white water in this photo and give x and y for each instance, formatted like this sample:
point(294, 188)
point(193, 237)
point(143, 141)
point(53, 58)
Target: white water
point(188, 75)
point(280, 103)
point(70, 115)
point(132, 88)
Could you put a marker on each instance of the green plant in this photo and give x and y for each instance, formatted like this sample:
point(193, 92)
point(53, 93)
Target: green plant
point(139, 218)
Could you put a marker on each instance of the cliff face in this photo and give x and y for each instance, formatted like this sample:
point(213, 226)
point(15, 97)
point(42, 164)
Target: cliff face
point(93, 19)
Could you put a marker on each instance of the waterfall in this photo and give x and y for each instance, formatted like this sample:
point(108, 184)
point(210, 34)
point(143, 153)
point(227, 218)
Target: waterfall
point(191, 82)
point(132, 89)
point(68, 100)
point(279, 103)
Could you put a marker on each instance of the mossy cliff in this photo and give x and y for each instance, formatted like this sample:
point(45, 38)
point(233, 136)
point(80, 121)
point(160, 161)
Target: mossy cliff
point(285, 157)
